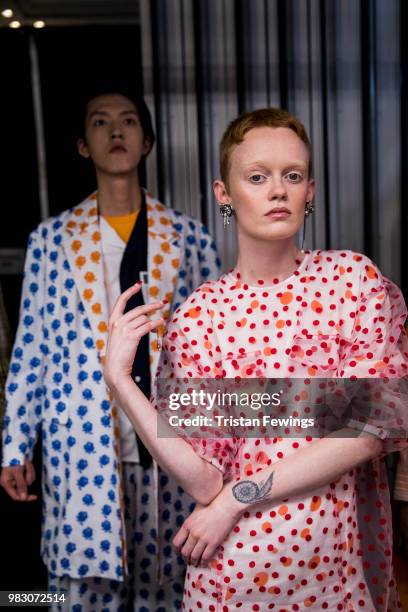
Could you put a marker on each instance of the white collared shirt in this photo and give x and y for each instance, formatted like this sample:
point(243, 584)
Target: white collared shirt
point(113, 248)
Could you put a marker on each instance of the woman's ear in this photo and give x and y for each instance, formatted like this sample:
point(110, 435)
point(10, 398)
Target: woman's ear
point(311, 189)
point(220, 192)
point(82, 148)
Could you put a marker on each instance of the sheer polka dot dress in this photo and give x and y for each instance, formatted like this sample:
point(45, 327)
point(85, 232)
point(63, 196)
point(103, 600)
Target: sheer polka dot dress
point(335, 316)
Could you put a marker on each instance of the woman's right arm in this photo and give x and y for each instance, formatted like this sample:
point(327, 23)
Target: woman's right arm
point(198, 477)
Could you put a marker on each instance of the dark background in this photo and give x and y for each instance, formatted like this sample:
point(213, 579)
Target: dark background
point(71, 59)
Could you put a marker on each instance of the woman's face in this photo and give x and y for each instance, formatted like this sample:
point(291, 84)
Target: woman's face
point(268, 183)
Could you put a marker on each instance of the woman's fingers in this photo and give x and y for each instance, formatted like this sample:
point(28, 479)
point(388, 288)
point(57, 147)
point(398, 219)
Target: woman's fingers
point(180, 537)
point(121, 302)
point(147, 327)
point(188, 547)
point(135, 313)
point(207, 555)
point(136, 323)
point(196, 553)
point(139, 311)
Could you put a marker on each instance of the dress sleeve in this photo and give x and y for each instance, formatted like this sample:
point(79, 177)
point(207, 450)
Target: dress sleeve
point(379, 350)
point(184, 369)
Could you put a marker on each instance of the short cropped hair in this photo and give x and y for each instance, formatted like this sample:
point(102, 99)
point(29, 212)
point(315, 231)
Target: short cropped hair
point(262, 117)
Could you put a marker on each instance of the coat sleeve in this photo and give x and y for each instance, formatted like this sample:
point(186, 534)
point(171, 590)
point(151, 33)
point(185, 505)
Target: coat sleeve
point(210, 263)
point(24, 388)
point(201, 263)
point(5, 348)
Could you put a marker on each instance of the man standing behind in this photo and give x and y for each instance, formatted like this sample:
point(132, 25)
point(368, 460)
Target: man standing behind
point(109, 514)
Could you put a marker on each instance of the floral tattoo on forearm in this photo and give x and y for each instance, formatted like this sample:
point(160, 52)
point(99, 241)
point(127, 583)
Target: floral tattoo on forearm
point(247, 491)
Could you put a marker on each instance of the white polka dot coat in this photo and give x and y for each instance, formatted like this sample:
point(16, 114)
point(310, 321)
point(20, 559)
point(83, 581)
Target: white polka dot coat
point(55, 384)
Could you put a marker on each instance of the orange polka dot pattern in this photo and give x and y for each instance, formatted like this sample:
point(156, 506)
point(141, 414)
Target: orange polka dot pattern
point(336, 316)
point(56, 375)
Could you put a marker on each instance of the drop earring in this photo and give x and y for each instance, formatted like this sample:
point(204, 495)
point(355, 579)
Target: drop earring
point(226, 211)
point(309, 209)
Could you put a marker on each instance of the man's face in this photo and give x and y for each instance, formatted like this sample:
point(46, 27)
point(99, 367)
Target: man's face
point(114, 138)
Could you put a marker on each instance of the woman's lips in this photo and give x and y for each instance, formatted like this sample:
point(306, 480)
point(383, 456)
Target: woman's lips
point(279, 213)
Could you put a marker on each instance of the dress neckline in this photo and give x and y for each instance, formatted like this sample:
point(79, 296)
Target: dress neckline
point(234, 276)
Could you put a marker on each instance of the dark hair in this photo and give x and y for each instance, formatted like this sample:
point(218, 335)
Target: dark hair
point(132, 93)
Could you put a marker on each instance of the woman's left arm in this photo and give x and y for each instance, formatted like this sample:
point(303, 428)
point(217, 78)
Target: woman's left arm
point(175, 455)
point(322, 462)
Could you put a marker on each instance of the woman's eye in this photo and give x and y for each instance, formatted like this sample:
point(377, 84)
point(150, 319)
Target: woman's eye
point(294, 177)
point(130, 121)
point(256, 178)
point(99, 122)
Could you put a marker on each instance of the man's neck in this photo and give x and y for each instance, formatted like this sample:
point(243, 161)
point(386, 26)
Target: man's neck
point(119, 196)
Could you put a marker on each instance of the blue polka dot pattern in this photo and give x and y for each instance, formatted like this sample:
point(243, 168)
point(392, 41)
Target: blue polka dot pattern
point(55, 385)
point(140, 589)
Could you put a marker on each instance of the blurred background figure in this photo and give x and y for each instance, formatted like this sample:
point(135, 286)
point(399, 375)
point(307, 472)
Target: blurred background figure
point(76, 266)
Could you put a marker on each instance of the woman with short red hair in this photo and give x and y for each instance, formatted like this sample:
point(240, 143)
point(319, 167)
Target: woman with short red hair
point(283, 523)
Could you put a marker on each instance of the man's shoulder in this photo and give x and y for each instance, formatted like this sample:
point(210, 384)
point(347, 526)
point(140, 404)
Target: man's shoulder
point(55, 223)
point(169, 216)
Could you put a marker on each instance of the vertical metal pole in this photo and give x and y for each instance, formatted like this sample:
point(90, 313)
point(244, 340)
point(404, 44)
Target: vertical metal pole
point(148, 88)
point(39, 129)
point(219, 104)
point(386, 206)
point(404, 143)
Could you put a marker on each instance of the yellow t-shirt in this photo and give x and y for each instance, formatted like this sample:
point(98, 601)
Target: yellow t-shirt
point(123, 224)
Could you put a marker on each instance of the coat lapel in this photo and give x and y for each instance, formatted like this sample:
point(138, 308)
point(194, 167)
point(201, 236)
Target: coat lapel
point(82, 245)
point(163, 262)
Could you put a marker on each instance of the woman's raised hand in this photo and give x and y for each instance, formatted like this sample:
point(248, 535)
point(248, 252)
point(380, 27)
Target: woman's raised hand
point(125, 332)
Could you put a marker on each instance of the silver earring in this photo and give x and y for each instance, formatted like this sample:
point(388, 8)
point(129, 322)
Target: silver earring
point(309, 208)
point(226, 211)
